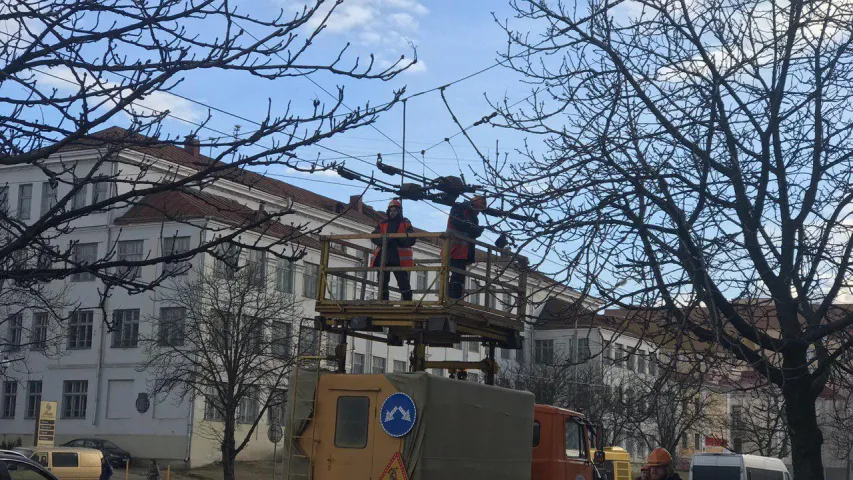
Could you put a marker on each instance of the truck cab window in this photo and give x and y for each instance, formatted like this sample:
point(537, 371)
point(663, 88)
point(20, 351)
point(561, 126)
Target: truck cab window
point(352, 421)
point(536, 428)
point(575, 445)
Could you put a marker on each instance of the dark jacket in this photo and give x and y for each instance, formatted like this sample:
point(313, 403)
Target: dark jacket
point(465, 220)
point(392, 259)
point(106, 471)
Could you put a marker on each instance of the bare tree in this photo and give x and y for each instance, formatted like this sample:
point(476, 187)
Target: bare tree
point(70, 69)
point(700, 151)
point(758, 422)
point(227, 340)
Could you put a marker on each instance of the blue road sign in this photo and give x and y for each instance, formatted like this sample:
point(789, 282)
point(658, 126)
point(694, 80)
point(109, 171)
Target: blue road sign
point(398, 414)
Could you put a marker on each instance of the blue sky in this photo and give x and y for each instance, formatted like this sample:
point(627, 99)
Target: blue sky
point(453, 39)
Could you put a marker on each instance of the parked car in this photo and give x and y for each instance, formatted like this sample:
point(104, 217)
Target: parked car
point(70, 463)
point(13, 466)
point(115, 455)
point(25, 451)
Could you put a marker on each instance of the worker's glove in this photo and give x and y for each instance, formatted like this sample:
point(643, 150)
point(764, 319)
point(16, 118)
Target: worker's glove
point(477, 231)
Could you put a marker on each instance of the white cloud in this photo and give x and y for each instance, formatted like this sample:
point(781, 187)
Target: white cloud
point(404, 21)
point(417, 68)
point(64, 79)
point(374, 22)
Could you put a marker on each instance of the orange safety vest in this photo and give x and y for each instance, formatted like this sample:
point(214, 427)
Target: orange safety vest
point(458, 248)
point(407, 255)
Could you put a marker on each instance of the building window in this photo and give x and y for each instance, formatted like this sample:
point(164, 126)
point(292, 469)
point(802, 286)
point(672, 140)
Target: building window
point(38, 340)
point(74, 396)
point(583, 349)
point(543, 351)
point(33, 398)
point(357, 363)
point(399, 366)
point(129, 251)
point(249, 406)
point(80, 329)
point(684, 441)
point(4, 200)
point(275, 409)
point(14, 332)
point(84, 254)
point(176, 246)
point(608, 355)
point(473, 346)
point(641, 361)
point(282, 335)
point(211, 405)
point(378, 365)
point(420, 281)
point(309, 280)
point(25, 200)
point(737, 444)
point(352, 421)
point(653, 365)
point(631, 362)
point(79, 199)
point(101, 189)
point(171, 327)
point(10, 398)
point(227, 257)
point(474, 297)
point(125, 328)
point(338, 287)
point(309, 341)
point(257, 267)
point(285, 280)
point(737, 416)
point(491, 300)
point(697, 441)
point(48, 197)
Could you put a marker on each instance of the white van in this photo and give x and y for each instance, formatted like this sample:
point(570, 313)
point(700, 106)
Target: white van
point(733, 466)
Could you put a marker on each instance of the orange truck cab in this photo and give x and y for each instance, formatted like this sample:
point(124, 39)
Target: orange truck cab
point(562, 442)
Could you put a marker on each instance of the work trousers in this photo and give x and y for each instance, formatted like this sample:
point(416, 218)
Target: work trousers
point(456, 287)
point(402, 283)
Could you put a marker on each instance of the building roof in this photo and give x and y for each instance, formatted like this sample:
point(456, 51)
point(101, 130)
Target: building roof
point(355, 211)
point(190, 205)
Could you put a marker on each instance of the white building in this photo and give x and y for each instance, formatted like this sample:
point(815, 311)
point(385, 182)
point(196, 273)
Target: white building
point(95, 377)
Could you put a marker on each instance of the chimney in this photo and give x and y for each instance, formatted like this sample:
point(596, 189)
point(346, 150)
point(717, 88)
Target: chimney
point(262, 206)
point(191, 145)
point(356, 202)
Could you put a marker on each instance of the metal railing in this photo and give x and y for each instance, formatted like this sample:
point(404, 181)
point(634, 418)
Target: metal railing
point(501, 274)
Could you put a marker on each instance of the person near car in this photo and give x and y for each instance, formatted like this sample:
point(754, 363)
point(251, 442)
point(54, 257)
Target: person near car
point(153, 471)
point(399, 252)
point(106, 469)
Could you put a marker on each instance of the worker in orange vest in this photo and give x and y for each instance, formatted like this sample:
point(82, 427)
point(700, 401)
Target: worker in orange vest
point(399, 253)
point(464, 220)
point(660, 465)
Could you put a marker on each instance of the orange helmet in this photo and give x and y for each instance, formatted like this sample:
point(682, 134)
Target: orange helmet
point(395, 203)
point(478, 202)
point(659, 457)
point(644, 468)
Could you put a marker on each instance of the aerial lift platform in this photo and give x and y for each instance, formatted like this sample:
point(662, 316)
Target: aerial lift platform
point(432, 317)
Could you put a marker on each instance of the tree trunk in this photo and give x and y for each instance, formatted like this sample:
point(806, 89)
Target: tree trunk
point(229, 453)
point(806, 437)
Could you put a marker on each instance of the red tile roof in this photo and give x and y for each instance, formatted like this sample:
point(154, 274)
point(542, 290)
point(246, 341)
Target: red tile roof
point(180, 156)
point(189, 205)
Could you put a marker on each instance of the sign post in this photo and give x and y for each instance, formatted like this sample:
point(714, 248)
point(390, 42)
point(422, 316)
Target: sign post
point(46, 427)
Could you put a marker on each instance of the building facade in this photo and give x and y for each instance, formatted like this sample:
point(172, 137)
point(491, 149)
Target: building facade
point(98, 376)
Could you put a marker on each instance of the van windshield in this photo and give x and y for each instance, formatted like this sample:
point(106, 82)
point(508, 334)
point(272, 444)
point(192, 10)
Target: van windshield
point(707, 472)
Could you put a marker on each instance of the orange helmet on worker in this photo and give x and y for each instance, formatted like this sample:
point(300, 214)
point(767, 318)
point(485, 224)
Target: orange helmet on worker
point(661, 466)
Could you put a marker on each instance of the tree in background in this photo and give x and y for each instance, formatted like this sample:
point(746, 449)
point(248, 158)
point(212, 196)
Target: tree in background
point(227, 340)
point(70, 69)
point(699, 152)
